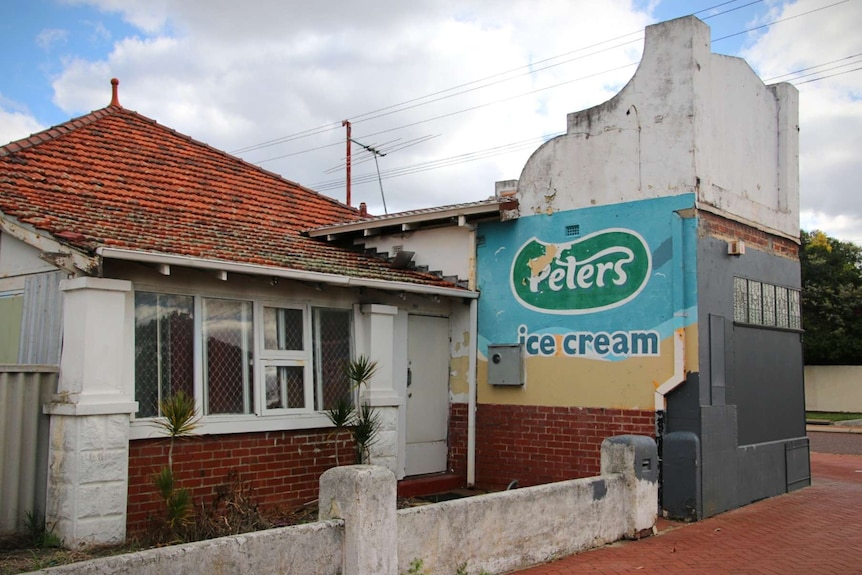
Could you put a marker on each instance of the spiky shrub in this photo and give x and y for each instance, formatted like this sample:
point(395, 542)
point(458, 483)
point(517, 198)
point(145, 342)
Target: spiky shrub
point(341, 416)
point(366, 426)
point(364, 422)
point(179, 419)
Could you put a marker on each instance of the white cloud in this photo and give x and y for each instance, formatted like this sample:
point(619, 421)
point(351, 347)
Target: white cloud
point(234, 74)
point(830, 117)
point(50, 37)
point(15, 123)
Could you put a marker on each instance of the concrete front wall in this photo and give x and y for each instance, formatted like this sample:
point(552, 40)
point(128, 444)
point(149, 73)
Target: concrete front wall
point(578, 339)
point(493, 533)
point(833, 388)
point(687, 121)
point(513, 529)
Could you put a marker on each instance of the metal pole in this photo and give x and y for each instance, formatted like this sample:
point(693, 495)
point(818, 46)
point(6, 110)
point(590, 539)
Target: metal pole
point(346, 123)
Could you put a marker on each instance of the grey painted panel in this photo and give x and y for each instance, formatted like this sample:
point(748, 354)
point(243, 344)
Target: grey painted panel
point(718, 441)
point(683, 406)
point(798, 464)
point(761, 471)
point(768, 388)
point(717, 360)
point(42, 320)
point(681, 489)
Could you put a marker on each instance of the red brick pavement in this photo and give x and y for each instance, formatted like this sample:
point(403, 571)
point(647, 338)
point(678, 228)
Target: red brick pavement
point(810, 531)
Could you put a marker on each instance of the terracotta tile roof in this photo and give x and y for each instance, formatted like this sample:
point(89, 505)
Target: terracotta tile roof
point(117, 179)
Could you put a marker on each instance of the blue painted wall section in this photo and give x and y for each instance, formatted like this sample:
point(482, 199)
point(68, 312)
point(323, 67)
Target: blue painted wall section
point(606, 283)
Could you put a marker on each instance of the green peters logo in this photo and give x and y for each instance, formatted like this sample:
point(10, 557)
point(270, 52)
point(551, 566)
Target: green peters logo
point(597, 272)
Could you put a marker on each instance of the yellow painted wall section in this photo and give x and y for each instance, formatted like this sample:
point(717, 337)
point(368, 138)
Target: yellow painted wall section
point(561, 381)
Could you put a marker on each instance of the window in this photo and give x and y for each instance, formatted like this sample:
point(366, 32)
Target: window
point(240, 357)
point(760, 303)
point(164, 344)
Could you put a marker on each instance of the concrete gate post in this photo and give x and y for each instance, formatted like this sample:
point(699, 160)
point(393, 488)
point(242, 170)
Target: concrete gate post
point(635, 457)
point(364, 496)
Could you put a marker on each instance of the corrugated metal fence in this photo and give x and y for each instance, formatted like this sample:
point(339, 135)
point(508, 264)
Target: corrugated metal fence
point(24, 442)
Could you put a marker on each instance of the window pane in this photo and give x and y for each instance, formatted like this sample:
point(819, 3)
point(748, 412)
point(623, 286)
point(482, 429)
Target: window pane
point(285, 387)
point(740, 299)
point(164, 332)
point(282, 329)
point(782, 303)
point(795, 314)
point(228, 356)
point(768, 304)
point(332, 353)
point(755, 304)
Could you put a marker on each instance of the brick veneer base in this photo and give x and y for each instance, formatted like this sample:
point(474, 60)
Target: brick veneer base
point(535, 444)
point(281, 468)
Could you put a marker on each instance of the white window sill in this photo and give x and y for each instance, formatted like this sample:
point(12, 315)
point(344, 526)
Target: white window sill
point(227, 424)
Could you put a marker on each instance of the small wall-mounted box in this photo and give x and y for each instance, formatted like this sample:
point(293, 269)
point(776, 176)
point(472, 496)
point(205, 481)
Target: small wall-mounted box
point(735, 248)
point(505, 364)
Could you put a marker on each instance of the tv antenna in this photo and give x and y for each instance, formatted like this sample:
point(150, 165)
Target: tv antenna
point(375, 152)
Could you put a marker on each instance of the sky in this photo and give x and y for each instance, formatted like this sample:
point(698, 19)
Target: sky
point(456, 93)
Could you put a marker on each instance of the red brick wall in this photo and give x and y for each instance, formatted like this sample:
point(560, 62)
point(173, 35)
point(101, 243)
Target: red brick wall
point(458, 439)
point(724, 228)
point(536, 444)
point(283, 468)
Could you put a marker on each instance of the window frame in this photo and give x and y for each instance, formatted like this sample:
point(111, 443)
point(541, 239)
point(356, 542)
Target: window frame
point(283, 358)
point(790, 320)
point(261, 418)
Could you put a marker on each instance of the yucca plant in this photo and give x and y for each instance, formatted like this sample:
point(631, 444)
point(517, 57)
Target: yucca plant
point(179, 419)
point(365, 430)
point(341, 416)
point(364, 423)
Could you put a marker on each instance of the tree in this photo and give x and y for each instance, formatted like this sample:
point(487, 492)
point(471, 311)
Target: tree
point(831, 300)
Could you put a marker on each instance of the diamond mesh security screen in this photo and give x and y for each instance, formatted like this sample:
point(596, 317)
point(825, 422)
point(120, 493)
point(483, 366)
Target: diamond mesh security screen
point(164, 349)
point(228, 356)
point(285, 387)
point(332, 353)
point(282, 329)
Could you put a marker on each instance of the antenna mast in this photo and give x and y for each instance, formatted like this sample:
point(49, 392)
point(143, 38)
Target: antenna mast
point(346, 123)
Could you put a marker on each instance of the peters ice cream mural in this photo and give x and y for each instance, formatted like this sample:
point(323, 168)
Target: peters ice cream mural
point(597, 298)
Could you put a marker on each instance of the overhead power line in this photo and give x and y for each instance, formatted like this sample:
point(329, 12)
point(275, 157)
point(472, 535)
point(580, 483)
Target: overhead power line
point(433, 97)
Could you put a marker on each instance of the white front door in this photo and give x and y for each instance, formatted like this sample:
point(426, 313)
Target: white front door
point(427, 394)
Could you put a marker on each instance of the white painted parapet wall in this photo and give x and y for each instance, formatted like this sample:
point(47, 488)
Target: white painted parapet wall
point(689, 121)
point(362, 534)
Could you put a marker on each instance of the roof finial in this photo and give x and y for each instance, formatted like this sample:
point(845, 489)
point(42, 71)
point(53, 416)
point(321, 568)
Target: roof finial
point(115, 98)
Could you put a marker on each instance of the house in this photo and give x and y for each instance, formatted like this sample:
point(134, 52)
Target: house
point(175, 266)
point(641, 276)
point(645, 279)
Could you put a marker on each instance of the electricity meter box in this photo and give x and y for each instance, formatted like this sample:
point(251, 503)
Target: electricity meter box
point(505, 364)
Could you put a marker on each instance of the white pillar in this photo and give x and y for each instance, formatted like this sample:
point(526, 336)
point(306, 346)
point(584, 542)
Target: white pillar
point(364, 496)
point(381, 393)
point(89, 434)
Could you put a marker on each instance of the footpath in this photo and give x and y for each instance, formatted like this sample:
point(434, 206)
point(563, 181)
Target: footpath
point(814, 530)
